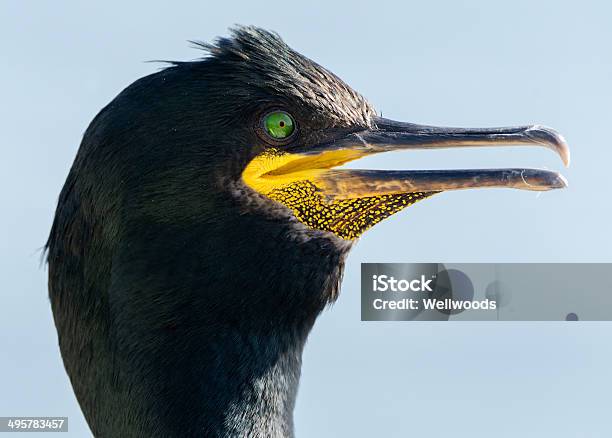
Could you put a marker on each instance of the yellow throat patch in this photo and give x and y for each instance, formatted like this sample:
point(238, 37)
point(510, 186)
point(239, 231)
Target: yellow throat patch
point(292, 180)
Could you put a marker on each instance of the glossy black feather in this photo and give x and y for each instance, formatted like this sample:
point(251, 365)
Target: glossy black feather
point(182, 299)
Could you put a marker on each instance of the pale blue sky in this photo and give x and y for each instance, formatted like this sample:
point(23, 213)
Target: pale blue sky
point(463, 63)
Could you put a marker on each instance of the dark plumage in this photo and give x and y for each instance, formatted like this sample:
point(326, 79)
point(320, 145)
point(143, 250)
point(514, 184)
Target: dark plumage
point(167, 320)
point(182, 296)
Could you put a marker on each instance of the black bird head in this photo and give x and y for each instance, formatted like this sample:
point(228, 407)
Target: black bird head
point(286, 123)
point(204, 225)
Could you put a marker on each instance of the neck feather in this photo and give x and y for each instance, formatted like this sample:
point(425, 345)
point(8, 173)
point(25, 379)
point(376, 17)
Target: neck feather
point(190, 331)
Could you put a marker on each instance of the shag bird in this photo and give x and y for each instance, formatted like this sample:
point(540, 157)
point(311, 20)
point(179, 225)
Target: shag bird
point(204, 225)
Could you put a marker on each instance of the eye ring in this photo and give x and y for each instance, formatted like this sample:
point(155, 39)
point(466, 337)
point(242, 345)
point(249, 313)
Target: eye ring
point(277, 126)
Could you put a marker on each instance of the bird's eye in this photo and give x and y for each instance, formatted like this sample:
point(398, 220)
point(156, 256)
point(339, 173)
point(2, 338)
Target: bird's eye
point(279, 125)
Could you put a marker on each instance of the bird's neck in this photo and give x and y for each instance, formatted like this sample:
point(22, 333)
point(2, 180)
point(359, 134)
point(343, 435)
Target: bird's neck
point(203, 339)
point(224, 333)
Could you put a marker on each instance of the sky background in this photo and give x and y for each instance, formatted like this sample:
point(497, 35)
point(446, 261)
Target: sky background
point(475, 63)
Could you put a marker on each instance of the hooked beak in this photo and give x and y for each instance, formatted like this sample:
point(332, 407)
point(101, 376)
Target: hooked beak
point(347, 202)
point(388, 135)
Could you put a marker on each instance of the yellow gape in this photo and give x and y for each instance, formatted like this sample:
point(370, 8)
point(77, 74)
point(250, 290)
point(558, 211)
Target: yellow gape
point(297, 182)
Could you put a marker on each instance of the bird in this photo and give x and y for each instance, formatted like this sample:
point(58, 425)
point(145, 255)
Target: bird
point(204, 225)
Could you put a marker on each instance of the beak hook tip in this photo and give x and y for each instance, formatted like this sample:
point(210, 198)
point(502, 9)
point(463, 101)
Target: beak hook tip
point(552, 139)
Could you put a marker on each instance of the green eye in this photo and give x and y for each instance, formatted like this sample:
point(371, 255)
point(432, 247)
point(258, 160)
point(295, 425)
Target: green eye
point(279, 125)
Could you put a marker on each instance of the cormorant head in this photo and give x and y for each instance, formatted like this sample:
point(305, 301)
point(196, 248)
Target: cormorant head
point(283, 124)
point(257, 119)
